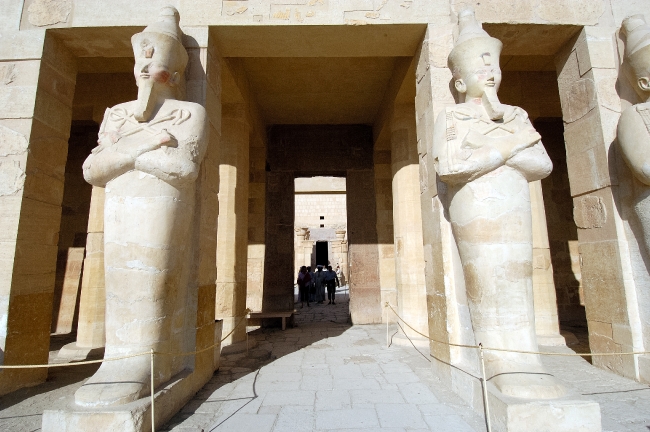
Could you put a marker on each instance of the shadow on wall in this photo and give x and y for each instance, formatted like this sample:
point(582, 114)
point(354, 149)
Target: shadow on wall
point(562, 229)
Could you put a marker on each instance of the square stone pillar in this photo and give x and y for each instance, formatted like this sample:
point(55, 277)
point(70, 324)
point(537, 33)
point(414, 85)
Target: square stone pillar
point(407, 222)
point(365, 291)
point(35, 119)
point(547, 325)
point(587, 76)
point(232, 233)
point(385, 235)
point(256, 217)
point(91, 332)
point(443, 274)
point(203, 83)
point(279, 278)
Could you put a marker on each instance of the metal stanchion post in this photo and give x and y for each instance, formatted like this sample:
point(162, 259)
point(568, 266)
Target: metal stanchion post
point(485, 392)
point(387, 337)
point(153, 415)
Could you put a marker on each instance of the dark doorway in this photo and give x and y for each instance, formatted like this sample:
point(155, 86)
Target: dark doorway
point(321, 253)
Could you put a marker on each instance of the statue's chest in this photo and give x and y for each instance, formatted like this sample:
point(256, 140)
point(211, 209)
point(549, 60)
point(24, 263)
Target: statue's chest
point(122, 121)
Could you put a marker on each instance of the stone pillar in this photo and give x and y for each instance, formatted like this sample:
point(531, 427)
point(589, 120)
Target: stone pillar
point(443, 275)
point(256, 215)
point(35, 120)
point(587, 76)
point(90, 328)
point(73, 230)
point(232, 232)
point(203, 82)
point(407, 222)
point(385, 236)
point(278, 262)
point(299, 255)
point(547, 325)
point(340, 255)
point(365, 291)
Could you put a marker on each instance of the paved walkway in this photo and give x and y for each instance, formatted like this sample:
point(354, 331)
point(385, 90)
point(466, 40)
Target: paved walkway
point(325, 374)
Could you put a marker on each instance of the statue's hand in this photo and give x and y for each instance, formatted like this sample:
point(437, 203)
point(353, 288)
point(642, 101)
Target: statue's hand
point(154, 142)
point(106, 139)
point(524, 139)
point(135, 145)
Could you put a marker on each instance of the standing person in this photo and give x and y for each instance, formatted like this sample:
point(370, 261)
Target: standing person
point(330, 280)
point(312, 285)
point(304, 280)
point(320, 285)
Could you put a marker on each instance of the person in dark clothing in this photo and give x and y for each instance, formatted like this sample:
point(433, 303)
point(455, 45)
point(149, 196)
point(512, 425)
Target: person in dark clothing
point(312, 285)
point(304, 282)
point(331, 281)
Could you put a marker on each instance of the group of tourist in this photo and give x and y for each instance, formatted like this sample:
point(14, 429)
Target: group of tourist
point(311, 285)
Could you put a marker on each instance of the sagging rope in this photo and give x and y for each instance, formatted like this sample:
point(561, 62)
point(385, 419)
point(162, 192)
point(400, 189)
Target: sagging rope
point(513, 351)
point(151, 353)
point(481, 349)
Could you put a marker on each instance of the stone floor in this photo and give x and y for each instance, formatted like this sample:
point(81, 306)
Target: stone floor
point(325, 374)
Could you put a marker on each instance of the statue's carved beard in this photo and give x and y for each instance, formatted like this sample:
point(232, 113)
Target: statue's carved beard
point(492, 104)
point(146, 102)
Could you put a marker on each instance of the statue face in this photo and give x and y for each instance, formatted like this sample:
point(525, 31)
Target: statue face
point(475, 83)
point(149, 69)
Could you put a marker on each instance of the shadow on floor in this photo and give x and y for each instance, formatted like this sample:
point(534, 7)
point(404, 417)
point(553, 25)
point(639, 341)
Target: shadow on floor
point(57, 378)
point(322, 320)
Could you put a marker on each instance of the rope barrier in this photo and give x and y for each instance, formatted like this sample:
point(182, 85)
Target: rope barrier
point(479, 347)
point(72, 364)
point(150, 353)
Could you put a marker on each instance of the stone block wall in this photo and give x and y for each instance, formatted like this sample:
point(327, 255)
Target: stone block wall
point(587, 75)
point(310, 208)
point(36, 124)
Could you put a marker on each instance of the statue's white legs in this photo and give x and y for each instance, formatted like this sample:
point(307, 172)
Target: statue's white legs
point(491, 219)
point(147, 223)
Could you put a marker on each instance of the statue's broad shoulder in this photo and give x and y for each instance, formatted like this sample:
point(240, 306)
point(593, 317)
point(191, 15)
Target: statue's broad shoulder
point(466, 144)
point(177, 115)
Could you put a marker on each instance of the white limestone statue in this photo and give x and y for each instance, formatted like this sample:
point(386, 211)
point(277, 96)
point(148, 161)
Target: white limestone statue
point(634, 124)
point(487, 153)
point(148, 159)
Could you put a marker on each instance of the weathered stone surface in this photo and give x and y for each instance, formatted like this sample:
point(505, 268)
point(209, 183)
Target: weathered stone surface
point(47, 12)
point(590, 212)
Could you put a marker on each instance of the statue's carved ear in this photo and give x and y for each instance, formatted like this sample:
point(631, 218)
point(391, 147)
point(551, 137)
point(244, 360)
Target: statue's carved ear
point(174, 79)
point(460, 85)
point(644, 84)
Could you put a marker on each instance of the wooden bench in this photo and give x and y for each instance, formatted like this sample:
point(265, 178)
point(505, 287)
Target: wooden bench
point(280, 314)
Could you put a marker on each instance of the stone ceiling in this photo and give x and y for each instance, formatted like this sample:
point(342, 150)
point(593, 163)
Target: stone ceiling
point(319, 74)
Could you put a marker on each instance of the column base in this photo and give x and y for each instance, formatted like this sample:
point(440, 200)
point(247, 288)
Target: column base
point(400, 339)
point(131, 417)
point(567, 414)
point(239, 347)
point(73, 352)
point(644, 369)
point(551, 340)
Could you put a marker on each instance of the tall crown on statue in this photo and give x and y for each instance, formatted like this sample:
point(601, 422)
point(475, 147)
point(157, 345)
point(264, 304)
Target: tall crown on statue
point(637, 46)
point(162, 41)
point(473, 43)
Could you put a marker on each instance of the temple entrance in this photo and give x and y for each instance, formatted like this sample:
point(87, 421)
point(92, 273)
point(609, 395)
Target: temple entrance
point(321, 253)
